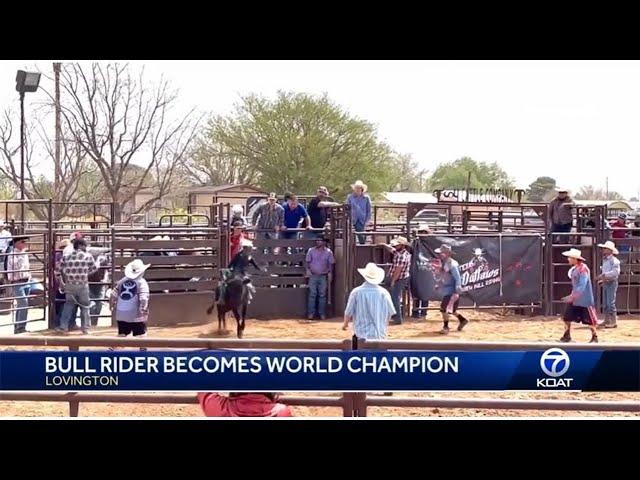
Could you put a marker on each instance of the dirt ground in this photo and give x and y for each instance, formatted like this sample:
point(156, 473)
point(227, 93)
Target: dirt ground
point(488, 326)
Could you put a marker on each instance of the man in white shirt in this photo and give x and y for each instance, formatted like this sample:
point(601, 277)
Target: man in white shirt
point(5, 237)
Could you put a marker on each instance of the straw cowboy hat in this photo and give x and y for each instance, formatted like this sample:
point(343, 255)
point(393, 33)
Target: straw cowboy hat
point(609, 245)
point(423, 227)
point(246, 243)
point(134, 269)
point(399, 241)
point(574, 253)
point(360, 184)
point(372, 273)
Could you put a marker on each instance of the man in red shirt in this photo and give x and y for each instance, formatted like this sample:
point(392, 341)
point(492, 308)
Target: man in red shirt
point(619, 231)
point(243, 405)
point(236, 238)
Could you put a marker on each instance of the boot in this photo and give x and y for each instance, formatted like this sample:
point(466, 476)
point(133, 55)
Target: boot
point(605, 322)
point(613, 321)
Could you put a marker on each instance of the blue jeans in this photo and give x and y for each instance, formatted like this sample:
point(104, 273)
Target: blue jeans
point(22, 304)
point(609, 290)
point(396, 297)
point(317, 291)
point(359, 227)
point(77, 296)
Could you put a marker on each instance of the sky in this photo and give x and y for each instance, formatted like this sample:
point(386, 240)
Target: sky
point(576, 121)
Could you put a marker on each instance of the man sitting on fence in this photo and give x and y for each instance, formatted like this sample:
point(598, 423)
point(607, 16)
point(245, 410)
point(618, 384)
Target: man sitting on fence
point(250, 404)
point(238, 267)
point(580, 304)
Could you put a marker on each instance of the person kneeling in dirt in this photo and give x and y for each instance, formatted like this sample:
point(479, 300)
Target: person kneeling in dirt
point(258, 404)
point(129, 301)
point(238, 267)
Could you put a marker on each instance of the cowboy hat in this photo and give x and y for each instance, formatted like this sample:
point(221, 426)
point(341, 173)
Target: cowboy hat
point(423, 227)
point(360, 184)
point(609, 245)
point(372, 273)
point(399, 241)
point(443, 248)
point(562, 190)
point(246, 243)
point(574, 253)
point(135, 269)
point(478, 251)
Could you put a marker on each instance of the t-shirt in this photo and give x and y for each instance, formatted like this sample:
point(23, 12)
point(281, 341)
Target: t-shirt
point(292, 217)
point(318, 215)
point(132, 299)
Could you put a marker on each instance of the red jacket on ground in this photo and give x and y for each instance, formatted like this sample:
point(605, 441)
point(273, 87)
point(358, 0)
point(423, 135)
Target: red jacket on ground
point(248, 405)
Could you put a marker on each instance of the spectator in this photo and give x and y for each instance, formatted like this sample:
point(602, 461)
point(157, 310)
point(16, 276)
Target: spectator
point(360, 205)
point(399, 273)
point(69, 248)
point(19, 276)
point(609, 281)
point(317, 210)
point(60, 296)
point(320, 263)
point(73, 278)
point(560, 213)
point(130, 300)
point(619, 231)
point(269, 218)
point(5, 237)
point(97, 288)
point(258, 404)
point(580, 303)
point(294, 214)
point(369, 306)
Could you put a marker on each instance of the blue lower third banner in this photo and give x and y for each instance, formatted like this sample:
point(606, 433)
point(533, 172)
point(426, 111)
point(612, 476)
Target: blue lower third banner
point(212, 370)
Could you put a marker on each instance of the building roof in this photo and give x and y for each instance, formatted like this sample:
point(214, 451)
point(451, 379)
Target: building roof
point(222, 188)
point(611, 204)
point(402, 198)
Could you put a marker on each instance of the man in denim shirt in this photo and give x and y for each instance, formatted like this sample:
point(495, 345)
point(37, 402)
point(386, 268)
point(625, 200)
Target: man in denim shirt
point(360, 204)
point(450, 286)
point(609, 281)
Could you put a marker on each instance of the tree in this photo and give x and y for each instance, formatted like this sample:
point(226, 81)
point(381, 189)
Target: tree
point(539, 189)
point(122, 123)
point(454, 175)
point(588, 192)
point(295, 142)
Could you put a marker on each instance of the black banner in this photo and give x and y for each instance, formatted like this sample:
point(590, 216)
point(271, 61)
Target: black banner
point(494, 270)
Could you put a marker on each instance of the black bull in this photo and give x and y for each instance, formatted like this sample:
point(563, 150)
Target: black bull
point(236, 300)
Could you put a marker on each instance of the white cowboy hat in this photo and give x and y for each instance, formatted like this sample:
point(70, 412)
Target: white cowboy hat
point(423, 226)
point(246, 243)
point(134, 269)
point(610, 246)
point(399, 241)
point(443, 248)
point(478, 251)
point(574, 253)
point(372, 273)
point(157, 237)
point(360, 184)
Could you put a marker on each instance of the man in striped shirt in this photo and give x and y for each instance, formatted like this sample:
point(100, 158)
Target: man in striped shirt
point(399, 273)
point(73, 276)
point(369, 306)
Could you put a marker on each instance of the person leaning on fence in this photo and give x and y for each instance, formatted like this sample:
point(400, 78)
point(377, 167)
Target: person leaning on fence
point(369, 306)
point(73, 278)
point(580, 303)
point(317, 209)
point(320, 263)
point(250, 404)
point(609, 281)
point(620, 231)
point(269, 217)
point(294, 214)
point(18, 270)
point(399, 273)
point(360, 204)
point(130, 300)
point(450, 286)
point(560, 212)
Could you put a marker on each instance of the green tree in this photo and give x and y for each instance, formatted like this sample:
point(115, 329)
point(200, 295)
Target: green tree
point(295, 142)
point(539, 189)
point(589, 192)
point(455, 174)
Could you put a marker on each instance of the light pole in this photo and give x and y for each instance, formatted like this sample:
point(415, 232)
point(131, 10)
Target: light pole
point(25, 82)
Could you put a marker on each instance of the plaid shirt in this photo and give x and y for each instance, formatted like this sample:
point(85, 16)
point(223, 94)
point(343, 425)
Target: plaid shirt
point(18, 261)
point(402, 262)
